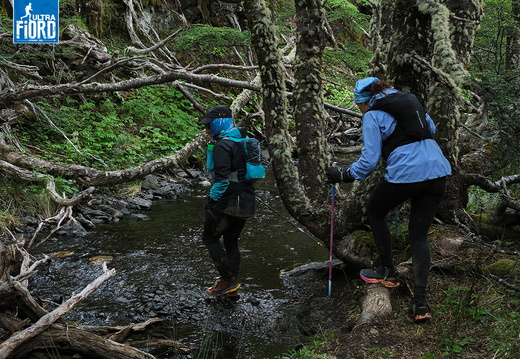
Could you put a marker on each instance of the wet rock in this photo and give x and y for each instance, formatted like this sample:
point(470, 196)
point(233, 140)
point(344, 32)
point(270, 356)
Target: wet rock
point(138, 217)
point(150, 182)
point(122, 300)
point(140, 203)
point(84, 221)
point(73, 228)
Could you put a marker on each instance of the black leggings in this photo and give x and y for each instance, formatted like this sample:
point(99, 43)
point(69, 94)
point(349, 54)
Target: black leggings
point(425, 198)
point(226, 257)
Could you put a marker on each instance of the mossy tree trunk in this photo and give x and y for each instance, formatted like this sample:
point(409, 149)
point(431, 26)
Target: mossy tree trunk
point(513, 38)
point(308, 99)
point(423, 47)
point(305, 208)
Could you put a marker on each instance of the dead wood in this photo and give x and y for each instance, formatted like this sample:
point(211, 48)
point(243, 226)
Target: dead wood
point(375, 305)
point(139, 327)
point(67, 338)
point(15, 341)
point(11, 323)
point(507, 199)
point(10, 261)
point(101, 342)
point(91, 176)
point(32, 176)
point(32, 91)
point(346, 150)
point(65, 213)
point(121, 335)
point(25, 303)
point(13, 290)
point(163, 343)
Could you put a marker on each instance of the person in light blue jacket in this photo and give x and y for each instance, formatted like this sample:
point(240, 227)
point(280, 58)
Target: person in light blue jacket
point(396, 127)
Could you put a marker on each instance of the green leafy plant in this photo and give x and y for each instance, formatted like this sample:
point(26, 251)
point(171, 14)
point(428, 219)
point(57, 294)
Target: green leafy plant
point(211, 40)
point(151, 122)
point(65, 186)
point(456, 346)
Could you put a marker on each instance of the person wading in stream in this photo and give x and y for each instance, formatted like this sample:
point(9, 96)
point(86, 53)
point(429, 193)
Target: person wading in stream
point(396, 127)
point(231, 198)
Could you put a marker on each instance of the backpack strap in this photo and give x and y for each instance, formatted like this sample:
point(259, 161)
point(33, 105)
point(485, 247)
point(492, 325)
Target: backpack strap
point(411, 123)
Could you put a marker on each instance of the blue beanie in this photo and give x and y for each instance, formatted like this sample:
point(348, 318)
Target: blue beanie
point(362, 91)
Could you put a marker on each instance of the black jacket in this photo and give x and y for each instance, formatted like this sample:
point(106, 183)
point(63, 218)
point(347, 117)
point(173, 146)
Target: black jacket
point(234, 196)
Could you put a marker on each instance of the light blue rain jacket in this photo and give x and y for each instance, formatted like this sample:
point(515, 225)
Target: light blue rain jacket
point(415, 162)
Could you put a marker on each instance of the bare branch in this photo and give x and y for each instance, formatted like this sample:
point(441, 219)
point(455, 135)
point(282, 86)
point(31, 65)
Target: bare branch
point(489, 186)
point(30, 71)
point(91, 176)
point(223, 67)
point(8, 346)
point(130, 50)
point(30, 176)
point(31, 91)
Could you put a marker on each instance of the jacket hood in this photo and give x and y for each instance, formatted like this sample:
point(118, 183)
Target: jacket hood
point(235, 132)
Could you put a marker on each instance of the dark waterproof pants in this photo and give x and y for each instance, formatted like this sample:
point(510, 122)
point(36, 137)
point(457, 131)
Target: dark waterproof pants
point(425, 198)
point(225, 255)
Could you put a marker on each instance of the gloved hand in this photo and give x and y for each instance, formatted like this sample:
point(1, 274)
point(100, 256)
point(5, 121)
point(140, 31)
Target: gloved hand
point(337, 174)
point(210, 210)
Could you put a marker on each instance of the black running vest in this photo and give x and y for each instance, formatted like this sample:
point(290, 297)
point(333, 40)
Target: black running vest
point(410, 116)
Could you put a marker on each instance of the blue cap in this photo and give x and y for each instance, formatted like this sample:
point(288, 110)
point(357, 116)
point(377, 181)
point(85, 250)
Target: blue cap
point(362, 91)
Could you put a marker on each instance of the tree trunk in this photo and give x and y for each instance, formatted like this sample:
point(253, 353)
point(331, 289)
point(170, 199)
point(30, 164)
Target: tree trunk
point(90, 176)
point(68, 338)
point(513, 39)
point(309, 112)
point(313, 216)
point(423, 46)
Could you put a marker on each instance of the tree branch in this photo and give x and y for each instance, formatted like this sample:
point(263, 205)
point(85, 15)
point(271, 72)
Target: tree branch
point(488, 185)
point(8, 346)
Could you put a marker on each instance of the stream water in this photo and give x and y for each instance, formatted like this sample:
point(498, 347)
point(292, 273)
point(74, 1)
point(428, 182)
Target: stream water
point(162, 270)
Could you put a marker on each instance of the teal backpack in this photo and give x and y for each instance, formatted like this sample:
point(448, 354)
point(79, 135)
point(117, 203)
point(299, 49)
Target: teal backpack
point(252, 154)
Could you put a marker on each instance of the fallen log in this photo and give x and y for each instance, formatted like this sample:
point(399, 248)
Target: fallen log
point(66, 338)
point(375, 306)
point(16, 340)
point(148, 329)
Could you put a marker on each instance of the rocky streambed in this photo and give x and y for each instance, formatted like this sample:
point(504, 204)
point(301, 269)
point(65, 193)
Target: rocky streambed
point(162, 269)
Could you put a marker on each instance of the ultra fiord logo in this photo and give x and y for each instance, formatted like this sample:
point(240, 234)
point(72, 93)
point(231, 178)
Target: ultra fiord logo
point(35, 21)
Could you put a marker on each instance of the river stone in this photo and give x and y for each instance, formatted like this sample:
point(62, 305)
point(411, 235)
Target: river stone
point(72, 228)
point(138, 217)
point(140, 203)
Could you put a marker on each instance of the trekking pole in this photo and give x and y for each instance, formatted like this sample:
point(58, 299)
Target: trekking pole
point(332, 214)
